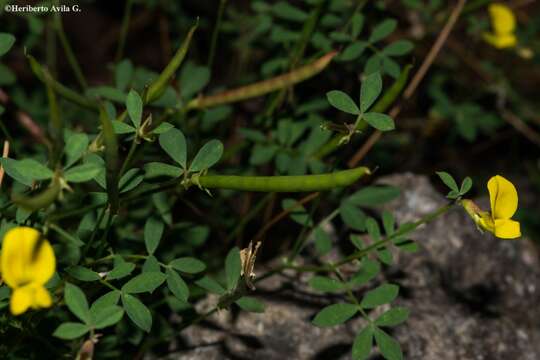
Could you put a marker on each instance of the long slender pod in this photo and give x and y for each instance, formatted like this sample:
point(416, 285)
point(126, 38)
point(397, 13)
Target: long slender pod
point(302, 183)
point(263, 87)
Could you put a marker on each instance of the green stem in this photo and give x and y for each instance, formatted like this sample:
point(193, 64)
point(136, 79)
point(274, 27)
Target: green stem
point(67, 49)
point(75, 212)
point(327, 219)
point(297, 54)
point(157, 88)
point(215, 33)
point(129, 156)
point(167, 185)
point(95, 231)
point(57, 123)
point(62, 90)
point(50, 55)
point(129, 256)
point(301, 240)
point(249, 216)
point(350, 294)
point(108, 284)
point(124, 30)
point(426, 219)
point(65, 234)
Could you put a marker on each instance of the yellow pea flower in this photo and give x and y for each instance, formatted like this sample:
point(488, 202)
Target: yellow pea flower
point(24, 272)
point(503, 23)
point(504, 201)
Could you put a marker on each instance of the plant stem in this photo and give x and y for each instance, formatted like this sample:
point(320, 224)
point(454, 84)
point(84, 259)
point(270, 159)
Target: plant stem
point(129, 156)
point(95, 231)
point(124, 30)
point(250, 215)
point(108, 284)
point(68, 50)
point(65, 234)
point(426, 219)
point(75, 212)
point(300, 241)
point(215, 33)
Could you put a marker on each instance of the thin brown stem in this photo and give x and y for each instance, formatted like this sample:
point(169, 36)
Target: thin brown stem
point(413, 85)
point(5, 154)
point(283, 214)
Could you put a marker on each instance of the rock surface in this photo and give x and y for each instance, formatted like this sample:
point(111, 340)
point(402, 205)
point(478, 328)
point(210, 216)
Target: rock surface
point(472, 297)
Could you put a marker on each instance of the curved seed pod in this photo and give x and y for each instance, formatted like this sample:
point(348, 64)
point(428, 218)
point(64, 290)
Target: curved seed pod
point(62, 90)
point(157, 88)
point(263, 87)
point(303, 183)
point(40, 200)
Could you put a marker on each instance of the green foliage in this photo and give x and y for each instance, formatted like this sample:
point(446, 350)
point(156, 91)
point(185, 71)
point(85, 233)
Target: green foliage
point(455, 191)
point(6, 42)
point(134, 106)
point(76, 302)
point(153, 230)
point(145, 282)
point(188, 265)
point(174, 144)
point(381, 295)
point(335, 314)
point(103, 313)
point(342, 102)
point(207, 156)
point(250, 304)
point(233, 267)
point(369, 92)
point(326, 284)
point(123, 174)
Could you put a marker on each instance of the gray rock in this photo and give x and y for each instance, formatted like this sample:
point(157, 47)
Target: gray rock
point(472, 297)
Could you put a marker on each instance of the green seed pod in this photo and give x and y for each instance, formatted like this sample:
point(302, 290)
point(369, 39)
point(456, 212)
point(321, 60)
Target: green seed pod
point(264, 87)
point(62, 90)
point(303, 183)
point(157, 88)
point(41, 200)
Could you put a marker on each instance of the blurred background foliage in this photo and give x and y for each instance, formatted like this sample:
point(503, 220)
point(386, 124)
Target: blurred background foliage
point(476, 113)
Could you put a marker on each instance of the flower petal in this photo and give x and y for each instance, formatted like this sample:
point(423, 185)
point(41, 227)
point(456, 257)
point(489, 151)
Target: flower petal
point(21, 300)
point(501, 41)
point(503, 19)
point(503, 197)
point(14, 262)
point(42, 268)
point(17, 264)
point(42, 298)
point(507, 229)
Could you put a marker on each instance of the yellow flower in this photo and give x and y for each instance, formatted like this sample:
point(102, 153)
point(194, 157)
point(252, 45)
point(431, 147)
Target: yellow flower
point(504, 201)
point(503, 23)
point(26, 272)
